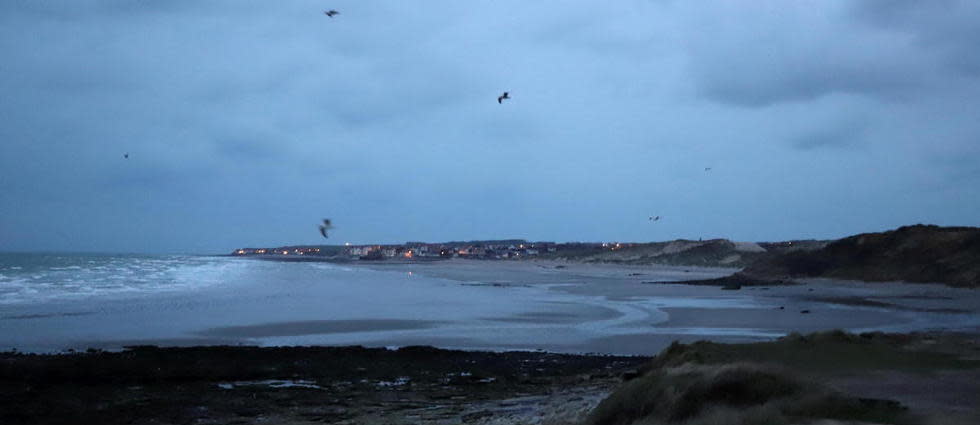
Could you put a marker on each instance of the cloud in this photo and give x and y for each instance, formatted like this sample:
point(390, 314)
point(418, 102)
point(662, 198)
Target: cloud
point(951, 28)
point(842, 134)
point(759, 54)
point(248, 121)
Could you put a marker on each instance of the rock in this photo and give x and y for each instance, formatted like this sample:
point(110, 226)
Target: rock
point(630, 374)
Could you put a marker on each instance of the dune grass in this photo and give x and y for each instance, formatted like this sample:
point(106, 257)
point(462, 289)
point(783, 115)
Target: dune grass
point(736, 394)
point(770, 383)
point(821, 352)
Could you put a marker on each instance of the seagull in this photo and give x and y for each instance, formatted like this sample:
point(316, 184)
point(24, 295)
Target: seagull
point(325, 226)
point(655, 218)
point(500, 99)
point(126, 155)
point(331, 13)
point(707, 168)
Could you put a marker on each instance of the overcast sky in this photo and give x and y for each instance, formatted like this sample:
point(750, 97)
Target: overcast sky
point(246, 122)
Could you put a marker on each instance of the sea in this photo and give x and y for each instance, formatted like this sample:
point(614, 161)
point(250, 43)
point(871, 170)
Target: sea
point(34, 278)
point(55, 302)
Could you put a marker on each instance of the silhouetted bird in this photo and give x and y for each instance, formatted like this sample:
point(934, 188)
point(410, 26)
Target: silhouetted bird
point(707, 168)
point(126, 155)
point(331, 13)
point(325, 226)
point(500, 99)
point(655, 218)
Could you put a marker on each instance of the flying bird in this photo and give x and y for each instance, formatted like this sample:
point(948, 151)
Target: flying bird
point(707, 168)
point(331, 13)
point(655, 218)
point(325, 226)
point(126, 155)
point(500, 99)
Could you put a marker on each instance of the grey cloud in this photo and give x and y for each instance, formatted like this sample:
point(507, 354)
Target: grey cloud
point(756, 87)
point(949, 27)
point(837, 135)
point(770, 52)
point(247, 121)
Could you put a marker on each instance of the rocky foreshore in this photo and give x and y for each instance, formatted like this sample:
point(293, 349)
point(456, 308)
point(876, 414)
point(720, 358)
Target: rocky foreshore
point(354, 385)
point(834, 377)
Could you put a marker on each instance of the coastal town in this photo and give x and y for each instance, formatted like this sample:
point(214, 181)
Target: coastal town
point(422, 251)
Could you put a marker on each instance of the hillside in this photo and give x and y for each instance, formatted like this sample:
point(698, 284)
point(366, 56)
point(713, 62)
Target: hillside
point(712, 253)
point(920, 253)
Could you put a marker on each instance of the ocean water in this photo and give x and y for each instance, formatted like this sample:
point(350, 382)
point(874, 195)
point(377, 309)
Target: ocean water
point(53, 302)
point(50, 302)
point(32, 278)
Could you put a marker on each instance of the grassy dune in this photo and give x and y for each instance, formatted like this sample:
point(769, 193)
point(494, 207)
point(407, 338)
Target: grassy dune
point(782, 382)
point(926, 254)
point(741, 393)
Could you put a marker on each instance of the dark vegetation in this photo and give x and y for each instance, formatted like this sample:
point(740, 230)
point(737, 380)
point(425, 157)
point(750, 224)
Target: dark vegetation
point(927, 254)
point(736, 394)
point(920, 253)
point(832, 351)
point(775, 382)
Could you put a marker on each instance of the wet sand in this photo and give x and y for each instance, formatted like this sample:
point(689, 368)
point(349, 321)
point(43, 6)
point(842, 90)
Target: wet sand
point(650, 316)
point(496, 306)
point(484, 305)
point(314, 327)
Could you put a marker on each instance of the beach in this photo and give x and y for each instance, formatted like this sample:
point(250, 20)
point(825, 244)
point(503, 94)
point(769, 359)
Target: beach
point(230, 340)
point(464, 304)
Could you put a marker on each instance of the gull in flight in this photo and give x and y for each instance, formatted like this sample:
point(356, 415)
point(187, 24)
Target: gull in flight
point(325, 226)
point(331, 13)
point(654, 218)
point(500, 99)
point(707, 168)
point(126, 155)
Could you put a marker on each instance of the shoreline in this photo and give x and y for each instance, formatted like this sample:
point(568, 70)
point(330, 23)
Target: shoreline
point(473, 304)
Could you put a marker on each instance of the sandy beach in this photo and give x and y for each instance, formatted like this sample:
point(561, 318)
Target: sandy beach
point(487, 305)
point(650, 315)
point(264, 314)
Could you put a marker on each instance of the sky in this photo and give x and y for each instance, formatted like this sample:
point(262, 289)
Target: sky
point(247, 122)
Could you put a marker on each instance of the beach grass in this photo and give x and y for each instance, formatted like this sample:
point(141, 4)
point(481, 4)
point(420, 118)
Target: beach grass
point(777, 382)
point(737, 394)
point(822, 352)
